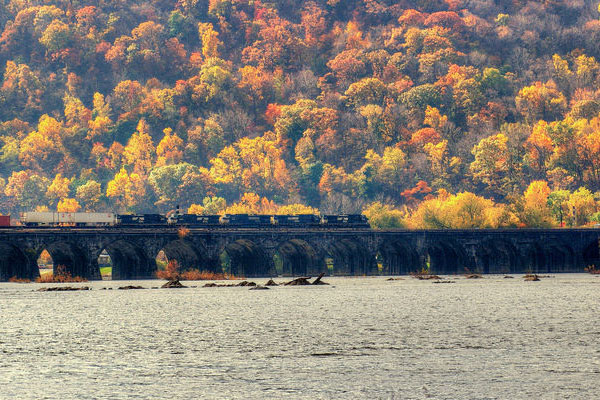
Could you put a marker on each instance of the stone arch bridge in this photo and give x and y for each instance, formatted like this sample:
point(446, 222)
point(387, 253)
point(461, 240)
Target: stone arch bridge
point(295, 251)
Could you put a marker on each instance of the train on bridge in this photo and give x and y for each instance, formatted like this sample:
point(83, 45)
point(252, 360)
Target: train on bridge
point(84, 219)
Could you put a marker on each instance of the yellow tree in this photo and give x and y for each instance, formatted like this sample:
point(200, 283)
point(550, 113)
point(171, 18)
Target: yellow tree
point(535, 210)
point(582, 205)
point(440, 160)
point(462, 211)
point(540, 147)
point(101, 123)
point(195, 209)
point(41, 150)
point(129, 191)
point(58, 189)
point(384, 216)
point(541, 101)
point(89, 194)
point(170, 149)
point(210, 40)
point(497, 162)
point(68, 205)
point(140, 151)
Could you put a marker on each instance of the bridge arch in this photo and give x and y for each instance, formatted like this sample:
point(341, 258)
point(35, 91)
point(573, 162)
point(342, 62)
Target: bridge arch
point(14, 263)
point(69, 256)
point(189, 255)
point(129, 261)
point(349, 257)
point(298, 258)
point(445, 256)
point(532, 259)
point(559, 257)
point(496, 256)
point(245, 258)
point(399, 257)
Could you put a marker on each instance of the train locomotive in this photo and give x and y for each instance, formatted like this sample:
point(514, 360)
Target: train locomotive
point(83, 219)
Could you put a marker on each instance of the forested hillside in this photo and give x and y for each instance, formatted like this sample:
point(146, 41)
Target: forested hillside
point(426, 113)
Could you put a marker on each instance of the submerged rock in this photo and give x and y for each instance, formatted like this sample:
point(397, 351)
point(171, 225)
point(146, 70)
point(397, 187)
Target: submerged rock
point(242, 283)
point(473, 276)
point(173, 284)
point(258, 287)
point(130, 287)
point(427, 277)
point(531, 277)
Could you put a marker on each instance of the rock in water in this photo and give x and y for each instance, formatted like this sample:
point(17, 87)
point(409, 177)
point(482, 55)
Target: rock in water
point(173, 284)
point(130, 287)
point(63, 288)
point(298, 282)
point(271, 282)
point(532, 277)
point(246, 283)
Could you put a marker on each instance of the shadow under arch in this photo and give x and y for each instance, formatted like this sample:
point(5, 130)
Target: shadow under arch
point(496, 256)
point(188, 255)
point(591, 255)
point(399, 258)
point(559, 257)
point(247, 259)
point(69, 257)
point(14, 263)
point(129, 261)
point(350, 257)
point(298, 258)
point(445, 256)
point(532, 259)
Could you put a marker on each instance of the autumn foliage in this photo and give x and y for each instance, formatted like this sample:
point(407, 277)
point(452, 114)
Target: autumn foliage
point(59, 275)
point(415, 113)
point(172, 272)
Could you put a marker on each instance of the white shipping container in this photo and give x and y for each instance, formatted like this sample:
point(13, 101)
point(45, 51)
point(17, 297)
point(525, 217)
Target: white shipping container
point(39, 218)
point(68, 219)
point(82, 218)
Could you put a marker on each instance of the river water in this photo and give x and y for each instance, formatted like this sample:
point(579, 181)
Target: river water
point(359, 338)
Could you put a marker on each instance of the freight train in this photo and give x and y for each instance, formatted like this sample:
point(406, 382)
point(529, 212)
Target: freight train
point(82, 219)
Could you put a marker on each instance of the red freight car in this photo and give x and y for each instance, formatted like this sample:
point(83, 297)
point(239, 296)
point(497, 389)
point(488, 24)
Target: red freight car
point(4, 220)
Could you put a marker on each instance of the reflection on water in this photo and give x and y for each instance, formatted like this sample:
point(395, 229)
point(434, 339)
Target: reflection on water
point(491, 338)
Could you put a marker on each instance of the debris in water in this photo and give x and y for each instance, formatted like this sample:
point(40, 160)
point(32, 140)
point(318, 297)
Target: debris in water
point(318, 281)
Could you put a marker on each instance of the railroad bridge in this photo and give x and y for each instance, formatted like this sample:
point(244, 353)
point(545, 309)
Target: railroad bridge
point(297, 251)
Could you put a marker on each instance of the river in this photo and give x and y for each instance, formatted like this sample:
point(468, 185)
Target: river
point(359, 338)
